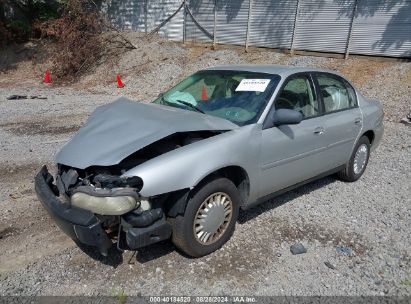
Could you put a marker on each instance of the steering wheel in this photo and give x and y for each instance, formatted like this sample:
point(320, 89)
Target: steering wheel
point(287, 100)
point(284, 103)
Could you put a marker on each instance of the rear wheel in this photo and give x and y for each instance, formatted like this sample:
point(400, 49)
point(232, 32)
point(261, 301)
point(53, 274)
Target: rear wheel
point(209, 219)
point(358, 161)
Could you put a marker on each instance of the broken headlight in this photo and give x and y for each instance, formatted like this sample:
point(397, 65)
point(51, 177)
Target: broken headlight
point(105, 201)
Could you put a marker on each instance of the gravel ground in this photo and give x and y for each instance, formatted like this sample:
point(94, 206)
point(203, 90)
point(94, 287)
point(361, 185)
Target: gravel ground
point(371, 217)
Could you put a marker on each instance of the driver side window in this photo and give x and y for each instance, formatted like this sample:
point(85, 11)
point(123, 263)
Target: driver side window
point(298, 94)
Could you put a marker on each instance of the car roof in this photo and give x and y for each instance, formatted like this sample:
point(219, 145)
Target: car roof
point(282, 70)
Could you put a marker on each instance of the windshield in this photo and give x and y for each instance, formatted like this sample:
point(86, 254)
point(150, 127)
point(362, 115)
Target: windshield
point(234, 95)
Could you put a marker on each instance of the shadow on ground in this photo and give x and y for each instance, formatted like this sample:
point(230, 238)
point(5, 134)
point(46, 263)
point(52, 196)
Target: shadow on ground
point(246, 215)
point(114, 256)
point(11, 56)
point(155, 251)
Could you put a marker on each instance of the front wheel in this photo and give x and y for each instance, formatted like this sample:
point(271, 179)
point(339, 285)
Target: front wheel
point(358, 161)
point(209, 219)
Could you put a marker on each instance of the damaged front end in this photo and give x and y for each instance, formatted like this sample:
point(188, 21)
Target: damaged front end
point(101, 193)
point(97, 199)
point(99, 208)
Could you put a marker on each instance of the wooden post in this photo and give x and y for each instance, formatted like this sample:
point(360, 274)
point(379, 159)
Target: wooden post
point(248, 25)
point(297, 11)
point(215, 25)
point(354, 15)
point(145, 16)
point(184, 22)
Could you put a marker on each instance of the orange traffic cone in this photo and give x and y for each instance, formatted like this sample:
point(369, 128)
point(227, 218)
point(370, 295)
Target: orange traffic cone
point(204, 94)
point(120, 84)
point(47, 77)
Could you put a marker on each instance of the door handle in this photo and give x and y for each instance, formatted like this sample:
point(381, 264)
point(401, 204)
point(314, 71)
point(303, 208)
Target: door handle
point(319, 131)
point(358, 121)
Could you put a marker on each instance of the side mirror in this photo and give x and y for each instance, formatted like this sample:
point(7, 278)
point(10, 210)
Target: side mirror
point(286, 117)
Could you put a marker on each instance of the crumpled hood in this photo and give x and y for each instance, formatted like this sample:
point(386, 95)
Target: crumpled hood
point(116, 130)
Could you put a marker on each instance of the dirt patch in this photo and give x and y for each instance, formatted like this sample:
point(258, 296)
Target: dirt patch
point(360, 70)
point(406, 79)
point(27, 192)
point(5, 232)
point(14, 173)
point(38, 128)
point(45, 126)
point(196, 51)
point(56, 243)
point(284, 232)
point(23, 64)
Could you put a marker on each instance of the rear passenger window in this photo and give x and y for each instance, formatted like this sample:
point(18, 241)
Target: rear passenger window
point(336, 94)
point(351, 94)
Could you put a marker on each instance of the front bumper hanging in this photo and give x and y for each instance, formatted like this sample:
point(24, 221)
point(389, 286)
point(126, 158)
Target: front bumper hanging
point(79, 224)
point(85, 227)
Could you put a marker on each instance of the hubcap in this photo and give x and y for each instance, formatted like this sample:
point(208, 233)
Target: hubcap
point(213, 218)
point(360, 158)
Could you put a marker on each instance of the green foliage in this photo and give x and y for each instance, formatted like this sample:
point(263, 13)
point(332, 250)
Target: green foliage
point(18, 31)
point(78, 38)
point(5, 35)
point(120, 295)
point(30, 12)
point(19, 25)
point(45, 11)
point(40, 9)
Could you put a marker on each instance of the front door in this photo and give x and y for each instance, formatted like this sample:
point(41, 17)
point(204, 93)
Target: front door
point(292, 153)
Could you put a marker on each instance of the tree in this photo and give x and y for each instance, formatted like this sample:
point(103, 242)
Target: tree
point(31, 10)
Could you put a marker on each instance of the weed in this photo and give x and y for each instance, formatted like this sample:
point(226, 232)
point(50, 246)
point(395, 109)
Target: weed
point(119, 294)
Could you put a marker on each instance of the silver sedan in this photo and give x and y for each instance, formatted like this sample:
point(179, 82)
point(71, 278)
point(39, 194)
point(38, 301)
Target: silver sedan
point(224, 138)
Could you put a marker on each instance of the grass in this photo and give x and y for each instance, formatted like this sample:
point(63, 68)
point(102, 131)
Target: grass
point(120, 294)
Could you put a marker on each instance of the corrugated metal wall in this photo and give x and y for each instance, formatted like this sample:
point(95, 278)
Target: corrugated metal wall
point(160, 10)
point(323, 25)
point(232, 18)
point(203, 12)
point(272, 23)
point(126, 14)
point(142, 15)
point(369, 27)
point(382, 28)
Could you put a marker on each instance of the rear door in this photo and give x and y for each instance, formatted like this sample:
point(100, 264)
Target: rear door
point(342, 118)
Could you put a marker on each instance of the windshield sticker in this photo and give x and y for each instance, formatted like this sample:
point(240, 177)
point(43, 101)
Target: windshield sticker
point(253, 85)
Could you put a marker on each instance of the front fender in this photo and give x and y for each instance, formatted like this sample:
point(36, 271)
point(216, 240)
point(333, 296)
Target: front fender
point(185, 167)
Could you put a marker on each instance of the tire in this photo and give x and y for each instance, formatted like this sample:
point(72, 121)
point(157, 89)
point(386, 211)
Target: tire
point(184, 236)
point(352, 172)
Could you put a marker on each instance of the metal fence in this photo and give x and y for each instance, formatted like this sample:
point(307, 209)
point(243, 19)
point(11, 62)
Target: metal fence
point(367, 27)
